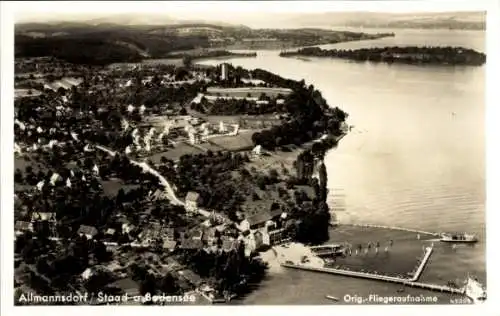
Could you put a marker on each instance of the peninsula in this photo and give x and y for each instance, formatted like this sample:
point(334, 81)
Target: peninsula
point(191, 172)
point(407, 55)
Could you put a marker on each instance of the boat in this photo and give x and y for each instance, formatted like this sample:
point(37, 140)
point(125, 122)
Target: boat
point(458, 237)
point(329, 250)
point(475, 290)
point(333, 298)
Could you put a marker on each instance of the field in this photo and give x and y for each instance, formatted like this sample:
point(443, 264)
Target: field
point(242, 141)
point(253, 91)
point(276, 160)
point(210, 146)
point(175, 153)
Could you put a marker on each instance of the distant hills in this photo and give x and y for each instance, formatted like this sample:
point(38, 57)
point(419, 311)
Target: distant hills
point(132, 37)
point(100, 42)
point(423, 20)
point(475, 20)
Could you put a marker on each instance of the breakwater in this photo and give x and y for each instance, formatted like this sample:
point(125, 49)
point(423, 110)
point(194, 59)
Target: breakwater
point(377, 277)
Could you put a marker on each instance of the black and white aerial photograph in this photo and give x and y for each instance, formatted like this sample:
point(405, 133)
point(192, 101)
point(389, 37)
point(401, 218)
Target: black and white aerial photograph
point(245, 153)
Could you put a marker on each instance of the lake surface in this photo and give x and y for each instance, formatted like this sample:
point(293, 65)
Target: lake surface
point(415, 157)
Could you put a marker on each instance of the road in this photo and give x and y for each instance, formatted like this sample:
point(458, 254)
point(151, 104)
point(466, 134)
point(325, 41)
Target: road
point(168, 188)
point(147, 168)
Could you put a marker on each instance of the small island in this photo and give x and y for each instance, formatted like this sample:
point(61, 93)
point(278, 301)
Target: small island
point(408, 55)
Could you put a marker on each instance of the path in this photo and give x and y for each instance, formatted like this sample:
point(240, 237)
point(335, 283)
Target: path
point(170, 192)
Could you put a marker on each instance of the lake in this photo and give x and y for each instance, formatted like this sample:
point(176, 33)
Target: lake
point(415, 157)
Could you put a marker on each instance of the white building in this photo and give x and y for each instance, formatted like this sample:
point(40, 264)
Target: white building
point(224, 72)
point(192, 201)
point(222, 127)
point(257, 150)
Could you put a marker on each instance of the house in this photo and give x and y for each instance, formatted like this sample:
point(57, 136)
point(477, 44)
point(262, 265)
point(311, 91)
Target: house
point(190, 244)
point(43, 216)
point(172, 264)
point(259, 220)
point(170, 234)
point(193, 199)
point(196, 234)
point(159, 195)
point(210, 236)
point(87, 274)
point(277, 236)
point(21, 227)
point(44, 221)
point(127, 228)
point(169, 245)
point(149, 235)
point(228, 243)
point(88, 231)
point(110, 231)
point(244, 225)
point(257, 150)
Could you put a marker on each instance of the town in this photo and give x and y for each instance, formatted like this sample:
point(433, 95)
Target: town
point(154, 178)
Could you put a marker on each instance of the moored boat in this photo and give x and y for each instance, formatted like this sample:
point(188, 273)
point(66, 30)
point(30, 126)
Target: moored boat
point(458, 237)
point(333, 298)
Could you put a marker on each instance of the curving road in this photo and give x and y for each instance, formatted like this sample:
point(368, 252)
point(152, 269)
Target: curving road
point(168, 188)
point(147, 168)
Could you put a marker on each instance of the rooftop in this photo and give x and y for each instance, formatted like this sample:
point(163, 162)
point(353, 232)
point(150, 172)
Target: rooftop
point(87, 230)
point(192, 196)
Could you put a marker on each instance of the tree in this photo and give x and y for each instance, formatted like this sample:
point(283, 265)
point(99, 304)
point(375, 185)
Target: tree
point(18, 176)
point(273, 174)
point(187, 61)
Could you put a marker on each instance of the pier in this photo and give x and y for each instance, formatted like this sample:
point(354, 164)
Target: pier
point(411, 282)
point(370, 276)
point(423, 232)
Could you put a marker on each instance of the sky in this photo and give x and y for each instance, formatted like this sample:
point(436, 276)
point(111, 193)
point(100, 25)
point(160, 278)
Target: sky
point(242, 12)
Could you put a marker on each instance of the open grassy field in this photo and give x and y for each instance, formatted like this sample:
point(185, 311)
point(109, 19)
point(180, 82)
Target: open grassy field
point(112, 186)
point(242, 141)
point(175, 153)
point(277, 160)
point(212, 147)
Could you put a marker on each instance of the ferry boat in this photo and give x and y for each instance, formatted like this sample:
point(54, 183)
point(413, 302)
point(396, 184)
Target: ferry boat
point(475, 290)
point(458, 237)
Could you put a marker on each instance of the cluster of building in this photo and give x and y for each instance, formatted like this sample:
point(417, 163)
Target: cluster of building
point(262, 225)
